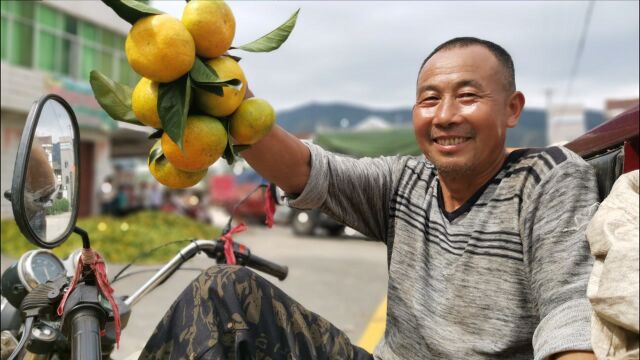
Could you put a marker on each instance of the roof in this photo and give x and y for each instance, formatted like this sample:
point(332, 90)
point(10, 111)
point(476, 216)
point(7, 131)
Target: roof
point(369, 143)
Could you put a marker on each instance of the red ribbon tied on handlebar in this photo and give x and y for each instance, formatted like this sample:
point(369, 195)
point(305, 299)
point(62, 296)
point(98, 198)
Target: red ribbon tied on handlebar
point(269, 206)
point(94, 260)
point(228, 243)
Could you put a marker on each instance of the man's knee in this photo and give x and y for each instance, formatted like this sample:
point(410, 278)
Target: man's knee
point(223, 281)
point(227, 273)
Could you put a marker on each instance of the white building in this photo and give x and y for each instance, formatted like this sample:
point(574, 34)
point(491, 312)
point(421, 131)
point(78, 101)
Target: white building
point(565, 123)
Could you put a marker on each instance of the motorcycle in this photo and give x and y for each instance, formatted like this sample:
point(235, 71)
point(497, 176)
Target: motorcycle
point(66, 309)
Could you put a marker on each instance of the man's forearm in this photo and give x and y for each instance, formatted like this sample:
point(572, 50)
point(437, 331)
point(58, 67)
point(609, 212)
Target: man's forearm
point(282, 159)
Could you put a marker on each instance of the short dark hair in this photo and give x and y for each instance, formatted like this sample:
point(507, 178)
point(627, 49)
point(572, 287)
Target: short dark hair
point(498, 51)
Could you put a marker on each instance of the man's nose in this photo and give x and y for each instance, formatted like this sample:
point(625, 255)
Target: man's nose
point(446, 114)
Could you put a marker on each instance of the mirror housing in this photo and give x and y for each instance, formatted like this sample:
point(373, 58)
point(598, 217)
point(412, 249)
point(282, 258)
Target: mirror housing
point(21, 172)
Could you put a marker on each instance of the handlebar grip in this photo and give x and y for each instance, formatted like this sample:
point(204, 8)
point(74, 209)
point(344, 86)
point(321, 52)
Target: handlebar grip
point(85, 335)
point(266, 266)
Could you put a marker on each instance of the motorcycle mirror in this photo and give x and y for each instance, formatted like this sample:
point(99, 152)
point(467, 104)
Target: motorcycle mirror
point(44, 191)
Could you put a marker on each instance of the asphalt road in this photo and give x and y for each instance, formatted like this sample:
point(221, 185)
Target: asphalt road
point(342, 279)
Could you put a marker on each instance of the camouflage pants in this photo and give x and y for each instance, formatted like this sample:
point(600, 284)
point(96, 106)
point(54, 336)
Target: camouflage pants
point(230, 312)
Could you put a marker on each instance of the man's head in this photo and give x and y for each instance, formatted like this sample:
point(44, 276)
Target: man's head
point(465, 101)
point(498, 52)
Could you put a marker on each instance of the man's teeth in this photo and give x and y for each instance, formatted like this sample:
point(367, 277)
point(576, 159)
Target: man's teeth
point(451, 141)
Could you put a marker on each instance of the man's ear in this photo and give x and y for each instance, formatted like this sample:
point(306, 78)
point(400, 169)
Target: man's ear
point(515, 106)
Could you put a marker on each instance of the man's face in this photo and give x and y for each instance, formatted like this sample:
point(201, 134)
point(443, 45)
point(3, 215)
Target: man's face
point(462, 111)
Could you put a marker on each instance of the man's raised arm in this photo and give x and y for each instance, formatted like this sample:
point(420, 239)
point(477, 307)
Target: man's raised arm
point(282, 159)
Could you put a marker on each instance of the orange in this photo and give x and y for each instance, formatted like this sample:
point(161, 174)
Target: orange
point(144, 103)
point(252, 121)
point(203, 142)
point(219, 106)
point(168, 175)
point(160, 48)
point(212, 25)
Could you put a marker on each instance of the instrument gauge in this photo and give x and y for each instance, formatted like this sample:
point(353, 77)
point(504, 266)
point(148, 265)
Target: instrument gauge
point(39, 266)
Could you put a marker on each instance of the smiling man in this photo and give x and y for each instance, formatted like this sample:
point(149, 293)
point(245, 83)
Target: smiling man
point(486, 247)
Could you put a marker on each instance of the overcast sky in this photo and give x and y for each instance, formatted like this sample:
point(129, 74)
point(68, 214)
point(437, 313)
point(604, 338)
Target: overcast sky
point(368, 53)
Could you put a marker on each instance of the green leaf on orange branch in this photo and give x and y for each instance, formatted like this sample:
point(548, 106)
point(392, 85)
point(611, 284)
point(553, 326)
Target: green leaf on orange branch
point(113, 97)
point(228, 154)
point(205, 77)
point(131, 10)
point(155, 154)
point(156, 134)
point(274, 39)
point(238, 148)
point(173, 107)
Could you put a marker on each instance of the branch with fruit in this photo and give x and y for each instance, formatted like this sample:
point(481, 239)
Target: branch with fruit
point(192, 91)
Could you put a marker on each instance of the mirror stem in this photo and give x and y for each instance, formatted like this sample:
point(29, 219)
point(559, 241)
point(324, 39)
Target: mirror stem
point(84, 235)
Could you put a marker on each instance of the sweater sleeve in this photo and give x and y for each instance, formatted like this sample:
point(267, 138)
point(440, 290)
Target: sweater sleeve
point(556, 251)
point(355, 192)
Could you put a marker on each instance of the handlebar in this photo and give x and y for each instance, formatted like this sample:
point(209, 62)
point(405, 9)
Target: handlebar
point(85, 334)
point(214, 249)
point(264, 265)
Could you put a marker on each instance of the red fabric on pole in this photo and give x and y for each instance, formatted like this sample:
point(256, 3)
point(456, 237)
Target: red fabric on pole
point(100, 271)
point(269, 207)
point(228, 243)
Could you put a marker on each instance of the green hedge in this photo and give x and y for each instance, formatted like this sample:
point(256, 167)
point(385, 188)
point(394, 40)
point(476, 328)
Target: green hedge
point(120, 240)
point(59, 206)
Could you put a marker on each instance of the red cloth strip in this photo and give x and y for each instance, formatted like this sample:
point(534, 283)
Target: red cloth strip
point(228, 243)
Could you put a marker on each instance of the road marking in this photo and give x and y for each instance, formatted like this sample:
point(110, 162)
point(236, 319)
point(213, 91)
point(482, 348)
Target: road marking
point(375, 328)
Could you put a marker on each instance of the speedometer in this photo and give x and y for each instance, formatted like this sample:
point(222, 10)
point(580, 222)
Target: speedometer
point(35, 267)
point(39, 266)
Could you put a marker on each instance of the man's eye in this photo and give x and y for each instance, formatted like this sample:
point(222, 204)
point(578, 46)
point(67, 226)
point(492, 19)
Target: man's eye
point(467, 95)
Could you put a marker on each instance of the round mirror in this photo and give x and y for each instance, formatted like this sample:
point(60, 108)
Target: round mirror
point(48, 162)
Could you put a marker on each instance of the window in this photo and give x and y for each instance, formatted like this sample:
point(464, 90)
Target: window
point(49, 44)
point(36, 35)
point(20, 33)
point(5, 28)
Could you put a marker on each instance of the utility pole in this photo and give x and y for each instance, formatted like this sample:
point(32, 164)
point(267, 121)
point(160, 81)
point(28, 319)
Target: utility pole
point(548, 95)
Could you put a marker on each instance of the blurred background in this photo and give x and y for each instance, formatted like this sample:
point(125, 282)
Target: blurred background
point(345, 79)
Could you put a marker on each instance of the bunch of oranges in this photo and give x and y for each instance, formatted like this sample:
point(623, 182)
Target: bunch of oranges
point(162, 49)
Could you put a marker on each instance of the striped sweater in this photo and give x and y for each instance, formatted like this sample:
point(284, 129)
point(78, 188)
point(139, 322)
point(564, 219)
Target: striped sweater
point(502, 277)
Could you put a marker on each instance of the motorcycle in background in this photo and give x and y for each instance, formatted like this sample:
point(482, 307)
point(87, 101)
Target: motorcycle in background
point(66, 309)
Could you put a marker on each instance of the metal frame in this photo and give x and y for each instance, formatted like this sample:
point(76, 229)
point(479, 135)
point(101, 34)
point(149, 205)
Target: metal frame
point(20, 172)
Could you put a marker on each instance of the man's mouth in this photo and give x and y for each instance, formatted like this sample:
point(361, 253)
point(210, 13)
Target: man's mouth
point(450, 141)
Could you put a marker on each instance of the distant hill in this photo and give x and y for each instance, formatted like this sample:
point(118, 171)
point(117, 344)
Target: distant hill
point(531, 131)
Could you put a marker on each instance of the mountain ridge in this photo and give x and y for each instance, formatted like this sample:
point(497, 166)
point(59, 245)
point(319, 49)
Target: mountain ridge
point(308, 118)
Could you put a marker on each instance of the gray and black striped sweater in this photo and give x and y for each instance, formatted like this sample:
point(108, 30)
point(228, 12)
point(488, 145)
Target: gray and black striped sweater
point(502, 277)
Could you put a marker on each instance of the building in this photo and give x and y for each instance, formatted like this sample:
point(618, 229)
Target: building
point(51, 47)
point(615, 107)
point(565, 123)
point(373, 122)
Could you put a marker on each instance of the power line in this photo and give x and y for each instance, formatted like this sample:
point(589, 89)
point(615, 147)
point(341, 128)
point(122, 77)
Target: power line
point(579, 51)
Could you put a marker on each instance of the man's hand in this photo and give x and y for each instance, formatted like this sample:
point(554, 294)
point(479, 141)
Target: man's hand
point(574, 355)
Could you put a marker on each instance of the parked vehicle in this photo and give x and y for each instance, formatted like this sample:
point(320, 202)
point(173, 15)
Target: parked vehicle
point(305, 223)
point(229, 192)
point(55, 315)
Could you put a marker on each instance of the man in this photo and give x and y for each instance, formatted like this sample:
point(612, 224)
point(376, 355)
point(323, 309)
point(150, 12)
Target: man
point(40, 184)
point(487, 255)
